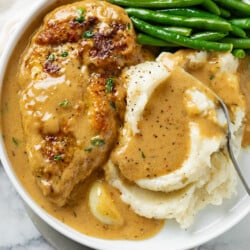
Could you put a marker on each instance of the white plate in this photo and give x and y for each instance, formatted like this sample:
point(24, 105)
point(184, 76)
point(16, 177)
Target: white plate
point(210, 222)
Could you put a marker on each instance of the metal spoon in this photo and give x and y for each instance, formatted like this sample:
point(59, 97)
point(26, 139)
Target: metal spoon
point(230, 144)
point(229, 138)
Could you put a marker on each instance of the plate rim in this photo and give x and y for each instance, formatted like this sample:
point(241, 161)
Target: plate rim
point(62, 228)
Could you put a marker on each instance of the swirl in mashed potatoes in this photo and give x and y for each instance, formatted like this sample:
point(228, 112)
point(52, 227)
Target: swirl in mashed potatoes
point(171, 160)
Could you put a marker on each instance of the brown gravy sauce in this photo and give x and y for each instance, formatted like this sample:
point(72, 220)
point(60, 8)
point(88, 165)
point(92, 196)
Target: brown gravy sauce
point(234, 93)
point(163, 143)
point(77, 214)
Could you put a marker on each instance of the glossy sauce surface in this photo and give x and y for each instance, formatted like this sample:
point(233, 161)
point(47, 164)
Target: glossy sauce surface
point(77, 213)
point(163, 143)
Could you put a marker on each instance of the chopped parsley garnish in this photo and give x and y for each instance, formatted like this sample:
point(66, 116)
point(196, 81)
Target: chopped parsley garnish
point(64, 103)
point(88, 34)
point(109, 85)
point(15, 141)
point(97, 141)
point(128, 26)
point(57, 158)
point(6, 106)
point(211, 77)
point(65, 54)
point(143, 155)
point(81, 16)
point(88, 149)
point(80, 11)
point(112, 105)
point(51, 57)
point(80, 19)
point(74, 213)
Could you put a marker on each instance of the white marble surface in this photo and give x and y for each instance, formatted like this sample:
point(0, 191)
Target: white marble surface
point(17, 232)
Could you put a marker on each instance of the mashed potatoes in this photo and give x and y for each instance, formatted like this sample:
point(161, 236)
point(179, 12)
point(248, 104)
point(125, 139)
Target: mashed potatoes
point(171, 160)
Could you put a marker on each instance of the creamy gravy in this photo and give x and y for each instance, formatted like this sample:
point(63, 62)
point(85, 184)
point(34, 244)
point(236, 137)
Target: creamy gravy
point(164, 141)
point(69, 99)
point(234, 94)
point(77, 214)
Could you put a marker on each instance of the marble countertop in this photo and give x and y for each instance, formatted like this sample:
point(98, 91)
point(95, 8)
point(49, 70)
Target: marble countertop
point(17, 231)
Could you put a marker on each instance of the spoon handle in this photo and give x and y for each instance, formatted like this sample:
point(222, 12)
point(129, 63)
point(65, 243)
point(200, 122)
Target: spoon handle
point(230, 146)
point(236, 165)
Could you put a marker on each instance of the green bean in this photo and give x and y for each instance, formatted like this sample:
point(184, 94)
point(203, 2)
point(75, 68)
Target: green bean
point(209, 36)
point(238, 43)
point(179, 30)
point(192, 22)
point(235, 5)
point(155, 31)
point(225, 13)
point(191, 12)
point(211, 7)
point(243, 23)
point(239, 53)
point(238, 31)
point(152, 41)
point(156, 4)
point(188, 12)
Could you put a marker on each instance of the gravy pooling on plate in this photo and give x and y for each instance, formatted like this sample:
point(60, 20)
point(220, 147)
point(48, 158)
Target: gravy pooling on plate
point(62, 113)
point(69, 78)
point(71, 99)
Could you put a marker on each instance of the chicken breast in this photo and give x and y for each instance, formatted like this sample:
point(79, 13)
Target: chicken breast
point(71, 93)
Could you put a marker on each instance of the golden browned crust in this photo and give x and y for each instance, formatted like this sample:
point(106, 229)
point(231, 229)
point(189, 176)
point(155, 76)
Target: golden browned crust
point(105, 38)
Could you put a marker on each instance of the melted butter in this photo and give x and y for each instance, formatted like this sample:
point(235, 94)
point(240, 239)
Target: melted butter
point(163, 143)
